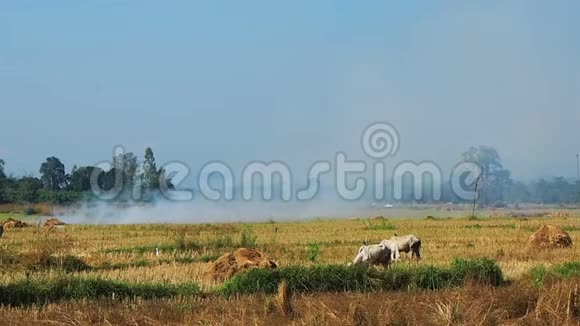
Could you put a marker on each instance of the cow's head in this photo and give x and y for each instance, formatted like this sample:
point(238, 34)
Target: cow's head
point(361, 256)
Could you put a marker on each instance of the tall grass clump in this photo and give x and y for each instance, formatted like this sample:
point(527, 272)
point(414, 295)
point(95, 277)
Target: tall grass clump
point(338, 278)
point(248, 239)
point(221, 242)
point(8, 256)
point(313, 250)
point(182, 243)
point(42, 291)
point(50, 252)
point(481, 270)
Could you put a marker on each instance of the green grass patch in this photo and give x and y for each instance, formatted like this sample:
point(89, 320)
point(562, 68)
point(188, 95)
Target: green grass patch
point(501, 226)
point(19, 216)
point(41, 261)
point(565, 270)
point(223, 242)
point(382, 225)
point(42, 291)
point(338, 278)
point(571, 228)
point(144, 263)
point(491, 226)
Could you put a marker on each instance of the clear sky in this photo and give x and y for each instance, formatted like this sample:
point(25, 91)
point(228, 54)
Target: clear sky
point(261, 80)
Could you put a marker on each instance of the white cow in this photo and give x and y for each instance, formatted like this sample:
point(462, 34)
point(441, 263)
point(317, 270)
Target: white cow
point(394, 248)
point(375, 254)
point(408, 243)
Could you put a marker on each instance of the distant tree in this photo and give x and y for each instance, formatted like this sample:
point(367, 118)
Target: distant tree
point(26, 190)
point(539, 190)
point(53, 174)
point(150, 172)
point(2, 174)
point(80, 178)
point(108, 178)
point(518, 192)
point(3, 183)
point(560, 191)
point(126, 164)
point(166, 179)
point(495, 179)
point(557, 190)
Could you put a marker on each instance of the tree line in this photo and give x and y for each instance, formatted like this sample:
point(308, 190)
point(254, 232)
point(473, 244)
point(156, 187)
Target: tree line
point(57, 186)
point(495, 188)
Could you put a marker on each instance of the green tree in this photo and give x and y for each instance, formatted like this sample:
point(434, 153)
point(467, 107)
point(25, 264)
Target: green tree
point(3, 183)
point(53, 174)
point(2, 174)
point(519, 192)
point(26, 190)
point(558, 190)
point(109, 178)
point(150, 172)
point(495, 179)
point(126, 164)
point(80, 178)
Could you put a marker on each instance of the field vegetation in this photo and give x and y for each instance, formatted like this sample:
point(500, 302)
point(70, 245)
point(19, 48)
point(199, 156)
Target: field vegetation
point(99, 274)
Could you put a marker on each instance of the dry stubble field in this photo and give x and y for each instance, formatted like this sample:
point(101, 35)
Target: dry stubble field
point(127, 253)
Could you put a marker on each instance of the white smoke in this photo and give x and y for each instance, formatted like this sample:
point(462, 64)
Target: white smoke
point(204, 211)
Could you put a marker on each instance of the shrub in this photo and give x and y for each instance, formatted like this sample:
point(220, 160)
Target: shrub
point(39, 291)
point(481, 270)
point(332, 278)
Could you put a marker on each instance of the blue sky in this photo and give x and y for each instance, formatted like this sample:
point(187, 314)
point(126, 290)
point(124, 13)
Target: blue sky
point(294, 82)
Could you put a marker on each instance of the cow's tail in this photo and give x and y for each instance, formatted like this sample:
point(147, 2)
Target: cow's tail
point(420, 250)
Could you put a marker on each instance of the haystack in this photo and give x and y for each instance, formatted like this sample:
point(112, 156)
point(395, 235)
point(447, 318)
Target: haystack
point(238, 261)
point(550, 236)
point(12, 223)
point(53, 222)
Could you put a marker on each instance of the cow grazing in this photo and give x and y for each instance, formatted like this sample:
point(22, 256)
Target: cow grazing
point(408, 243)
point(376, 254)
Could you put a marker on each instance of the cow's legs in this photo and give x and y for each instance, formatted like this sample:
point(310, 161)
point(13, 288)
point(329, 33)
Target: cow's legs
point(417, 253)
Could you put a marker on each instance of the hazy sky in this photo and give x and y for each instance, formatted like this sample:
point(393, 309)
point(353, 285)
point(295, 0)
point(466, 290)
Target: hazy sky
point(242, 81)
